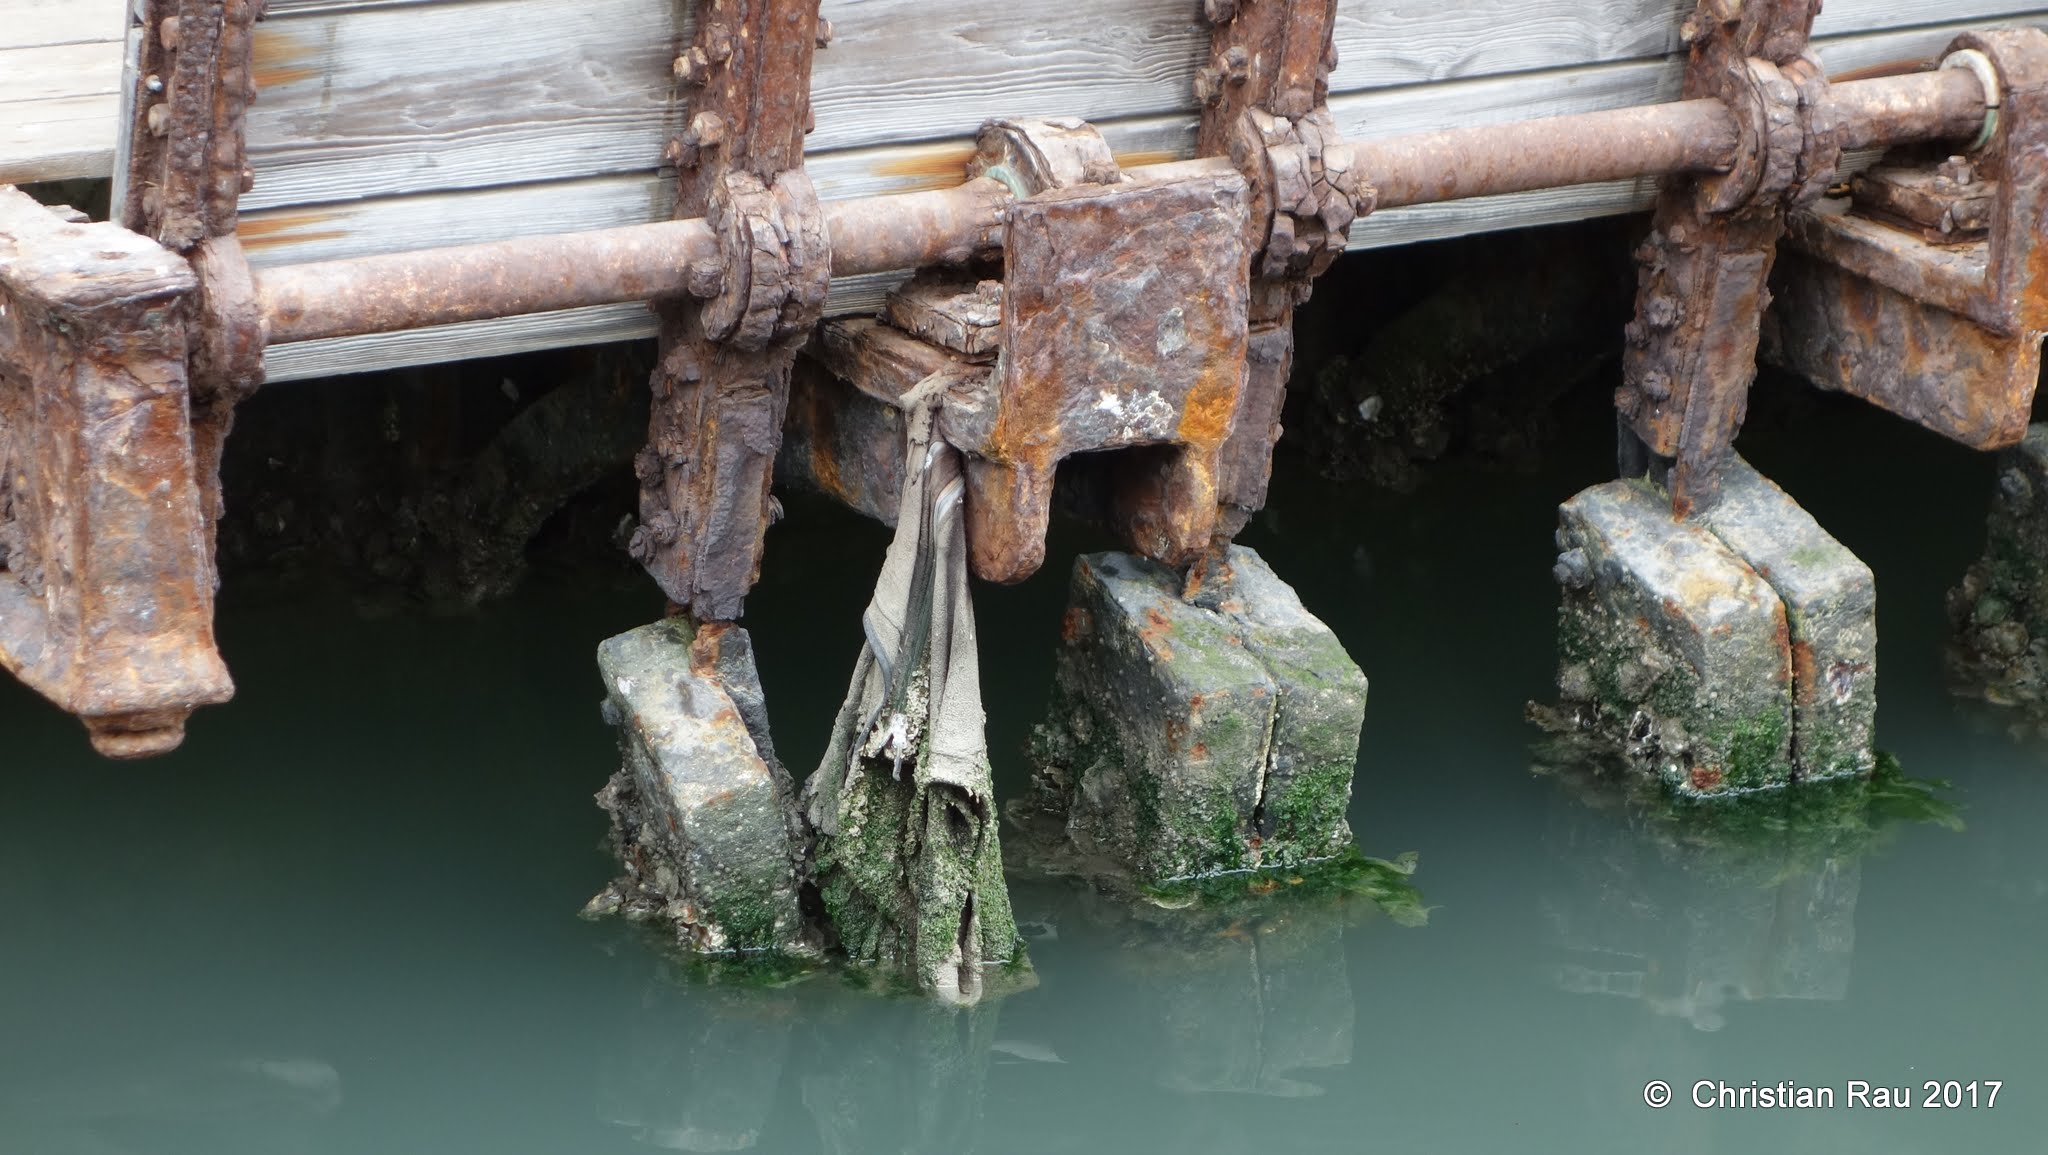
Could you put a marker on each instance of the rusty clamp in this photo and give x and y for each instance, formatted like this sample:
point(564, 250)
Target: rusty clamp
point(1089, 341)
point(122, 355)
point(1690, 350)
point(1922, 290)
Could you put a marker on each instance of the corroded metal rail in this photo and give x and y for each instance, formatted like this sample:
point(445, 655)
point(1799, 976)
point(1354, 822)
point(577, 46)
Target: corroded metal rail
point(905, 231)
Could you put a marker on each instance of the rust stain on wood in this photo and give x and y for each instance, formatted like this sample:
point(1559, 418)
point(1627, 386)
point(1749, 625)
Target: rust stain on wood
point(287, 229)
point(1129, 160)
point(937, 166)
point(281, 59)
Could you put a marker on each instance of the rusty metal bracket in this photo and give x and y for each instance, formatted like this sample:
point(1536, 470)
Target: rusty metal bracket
point(1119, 323)
point(721, 389)
point(1691, 348)
point(106, 597)
point(122, 355)
point(1104, 346)
point(1265, 105)
point(1923, 291)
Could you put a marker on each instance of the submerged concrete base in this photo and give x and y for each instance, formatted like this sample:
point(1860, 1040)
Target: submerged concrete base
point(703, 816)
point(1191, 739)
point(1999, 611)
point(1732, 652)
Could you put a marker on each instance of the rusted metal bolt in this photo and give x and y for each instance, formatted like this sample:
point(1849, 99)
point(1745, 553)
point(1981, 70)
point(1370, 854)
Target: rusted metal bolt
point(167, 33)
point(153, 84)
point(718, 45)
point(1208, 84)
point(1661, 311)
point(158, 119)
point(1236, 64)
point(1957, 169)
point(1573, 570)
point(1656, 386)
point(663, 526)
point(640, 546)
point(248, 179)
point(824, 33)
point(708, 128)
point(1220, 11)
point(647, 466)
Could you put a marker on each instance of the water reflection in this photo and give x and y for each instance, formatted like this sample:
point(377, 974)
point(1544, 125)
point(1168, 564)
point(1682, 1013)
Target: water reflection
point(118, 1105)
point(1689, 907)
point(698, 1070)
point(1205, 1004)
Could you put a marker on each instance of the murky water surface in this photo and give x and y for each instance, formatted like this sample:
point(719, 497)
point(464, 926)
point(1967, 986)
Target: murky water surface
point(342, 919)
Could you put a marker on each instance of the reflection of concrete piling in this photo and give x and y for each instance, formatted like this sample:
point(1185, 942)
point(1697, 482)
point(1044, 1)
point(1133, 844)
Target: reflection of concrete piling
point(1732, 651)
point(701, 1073)
point(1188, 737)
point(1690, 910)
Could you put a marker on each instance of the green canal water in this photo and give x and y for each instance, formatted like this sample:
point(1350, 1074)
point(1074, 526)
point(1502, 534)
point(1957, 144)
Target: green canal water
point(343, 918)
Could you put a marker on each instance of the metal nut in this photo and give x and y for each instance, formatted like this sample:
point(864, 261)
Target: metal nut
point(708, 128)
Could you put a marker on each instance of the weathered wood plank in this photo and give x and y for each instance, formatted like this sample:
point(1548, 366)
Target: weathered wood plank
point(56, 71)
point(57, 139)
point(326, 232)
point(375, 226)
point(32, 23)
point(393, 100)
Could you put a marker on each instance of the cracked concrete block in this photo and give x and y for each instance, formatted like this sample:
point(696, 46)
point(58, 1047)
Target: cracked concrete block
point(1830, 600)
point(1670, 644)
point(1189, 739)
point(703, 818)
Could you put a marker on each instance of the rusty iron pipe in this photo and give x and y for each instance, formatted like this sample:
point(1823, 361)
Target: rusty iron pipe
point(1941, 105)
point(507, 278)
point(945, 226)
point(443, 286)
point(1520, 156)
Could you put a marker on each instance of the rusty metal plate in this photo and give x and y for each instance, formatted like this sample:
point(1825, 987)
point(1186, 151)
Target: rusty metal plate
point(1933, 367)
point(1947, 335)
point(1124, 324)
point(106, 584)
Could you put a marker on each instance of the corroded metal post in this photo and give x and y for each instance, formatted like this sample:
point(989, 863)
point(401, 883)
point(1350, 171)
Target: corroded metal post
point(1691, 350)
point(180, 179)
point(722, 386)
point(1265, 104)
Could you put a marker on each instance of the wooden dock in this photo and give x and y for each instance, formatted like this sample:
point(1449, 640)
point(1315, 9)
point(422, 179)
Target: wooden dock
point(388, 125)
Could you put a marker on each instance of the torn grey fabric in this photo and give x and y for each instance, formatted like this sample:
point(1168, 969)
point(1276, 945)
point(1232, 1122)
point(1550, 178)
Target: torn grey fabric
point(907, 858)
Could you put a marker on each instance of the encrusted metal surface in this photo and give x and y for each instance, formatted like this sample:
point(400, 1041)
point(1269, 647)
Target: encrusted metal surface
point(722, 388)
point(1936, 321)
point(1108, 346)
point(106, 584)
point(1265, 105)
point(1691, 348)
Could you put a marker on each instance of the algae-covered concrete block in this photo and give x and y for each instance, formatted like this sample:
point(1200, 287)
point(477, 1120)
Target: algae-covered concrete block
point(702, 816)
point(1186, 739)
point(1672, 643)
point(1830, 600)
point(2000, 609)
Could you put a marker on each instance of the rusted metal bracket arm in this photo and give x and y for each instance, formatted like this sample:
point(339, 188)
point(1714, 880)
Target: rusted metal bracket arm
point(106, 591)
